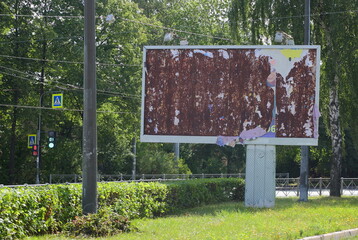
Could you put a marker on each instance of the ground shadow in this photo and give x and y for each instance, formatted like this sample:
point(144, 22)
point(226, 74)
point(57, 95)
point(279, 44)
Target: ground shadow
point(280, 205)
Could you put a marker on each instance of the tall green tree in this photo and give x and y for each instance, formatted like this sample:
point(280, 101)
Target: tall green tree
point(338, 34)
point(16, 36)
point(334, 27)
point(45, 43)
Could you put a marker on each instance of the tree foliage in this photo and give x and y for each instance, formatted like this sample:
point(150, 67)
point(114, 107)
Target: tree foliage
point(334, 27)
point(41, 44)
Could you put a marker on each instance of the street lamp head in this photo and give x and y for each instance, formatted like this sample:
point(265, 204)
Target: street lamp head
point(110, 18)
point(278, 37)
point(282, 37)
point(184, 42)
point(168, 37)
point(290, 42)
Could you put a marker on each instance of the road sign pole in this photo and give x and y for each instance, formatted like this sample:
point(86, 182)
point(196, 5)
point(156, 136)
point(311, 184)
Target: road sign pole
point(38, 155)
point(38, 144)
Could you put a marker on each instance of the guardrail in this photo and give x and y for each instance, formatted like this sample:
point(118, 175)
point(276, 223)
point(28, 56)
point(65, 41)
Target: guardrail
point(285, 186)
point(317, 186)
point(75, 178)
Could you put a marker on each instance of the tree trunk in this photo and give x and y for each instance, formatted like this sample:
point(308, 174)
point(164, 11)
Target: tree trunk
point(13, 140)
point(334, 114)
point(336, 136)
point(15, 100)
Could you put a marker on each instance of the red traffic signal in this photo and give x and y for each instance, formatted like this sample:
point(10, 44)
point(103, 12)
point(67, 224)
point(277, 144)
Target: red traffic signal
point(35, 150)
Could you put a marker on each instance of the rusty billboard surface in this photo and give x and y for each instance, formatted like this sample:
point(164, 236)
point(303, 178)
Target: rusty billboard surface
point(231, 94)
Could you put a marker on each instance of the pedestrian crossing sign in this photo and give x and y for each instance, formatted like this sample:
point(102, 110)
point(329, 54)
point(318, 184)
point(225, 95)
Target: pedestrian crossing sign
point(57, 100)
point(31, 140)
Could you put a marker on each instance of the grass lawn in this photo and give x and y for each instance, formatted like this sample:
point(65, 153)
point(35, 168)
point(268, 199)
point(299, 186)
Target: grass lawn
point(289, 219)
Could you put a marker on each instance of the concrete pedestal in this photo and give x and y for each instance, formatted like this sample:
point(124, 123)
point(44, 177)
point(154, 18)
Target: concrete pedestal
point(260, 186)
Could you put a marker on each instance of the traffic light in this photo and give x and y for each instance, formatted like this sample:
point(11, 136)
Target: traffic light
point(35, 150)
point(51, 139)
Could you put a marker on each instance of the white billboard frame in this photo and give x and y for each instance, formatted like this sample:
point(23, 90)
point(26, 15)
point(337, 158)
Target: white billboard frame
point(213, 139)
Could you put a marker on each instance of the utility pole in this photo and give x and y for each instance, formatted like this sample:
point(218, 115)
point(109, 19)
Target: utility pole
point(304, 171)
point(89, 165)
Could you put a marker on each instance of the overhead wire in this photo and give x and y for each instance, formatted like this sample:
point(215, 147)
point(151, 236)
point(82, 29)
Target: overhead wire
point(158, 26)
point(174, 29)
point(105, 92)
point(79, 16)
point(70, 62)
point(38, 82)
point(125, 19)
point(143, 23)
point(40, 40)
point(61, 109)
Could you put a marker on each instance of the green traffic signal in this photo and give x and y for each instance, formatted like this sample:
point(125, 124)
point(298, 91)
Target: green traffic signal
point(51, 139)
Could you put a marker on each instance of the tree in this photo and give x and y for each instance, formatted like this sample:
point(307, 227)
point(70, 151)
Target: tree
point(334, 28)
point(339, 43)
point(46, 55)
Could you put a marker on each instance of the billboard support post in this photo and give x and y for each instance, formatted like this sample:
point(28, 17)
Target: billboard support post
point(176, 153)
point(260, 176)
point(304, 171)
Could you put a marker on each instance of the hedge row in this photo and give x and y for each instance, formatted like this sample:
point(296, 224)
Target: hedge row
point(29, 211)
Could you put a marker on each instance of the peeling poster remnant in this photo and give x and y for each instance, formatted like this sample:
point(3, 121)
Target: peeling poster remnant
point(229, 92)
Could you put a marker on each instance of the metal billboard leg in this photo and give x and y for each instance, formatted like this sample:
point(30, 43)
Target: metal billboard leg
point(260, 186)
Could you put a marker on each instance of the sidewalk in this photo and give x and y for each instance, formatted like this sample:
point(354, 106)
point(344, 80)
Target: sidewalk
point(335, 235)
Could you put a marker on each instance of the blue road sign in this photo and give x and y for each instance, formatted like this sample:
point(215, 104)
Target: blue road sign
point(31, 140)
point(57, 100)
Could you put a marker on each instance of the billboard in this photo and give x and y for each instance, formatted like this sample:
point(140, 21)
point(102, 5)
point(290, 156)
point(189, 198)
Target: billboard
point(231, 94)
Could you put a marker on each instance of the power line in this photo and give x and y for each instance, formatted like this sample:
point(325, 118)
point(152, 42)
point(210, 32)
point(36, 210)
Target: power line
point(70, 62)
point(167, 28)
point(60, 38)
point(105, 92)
point(129, 20)
point(60, 109)
point(40, 16)
point(312, 15)
point(38, 59)
point(79, 16)
point(175, 30)
point(40, 40)
point(37, 82)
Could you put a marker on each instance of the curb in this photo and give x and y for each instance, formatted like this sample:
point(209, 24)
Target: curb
point(334, 235)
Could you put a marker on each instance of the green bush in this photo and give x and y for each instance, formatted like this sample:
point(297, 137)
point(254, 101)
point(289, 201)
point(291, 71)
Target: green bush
point(30, 210)
point(193, 193)
point(102, 224)
point(134, 200)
